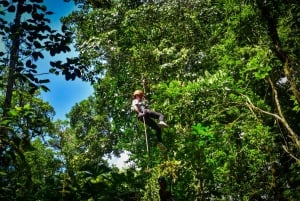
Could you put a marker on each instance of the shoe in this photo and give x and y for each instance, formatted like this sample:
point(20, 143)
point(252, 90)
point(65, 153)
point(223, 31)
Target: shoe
point(161, 146)
point(162, 124)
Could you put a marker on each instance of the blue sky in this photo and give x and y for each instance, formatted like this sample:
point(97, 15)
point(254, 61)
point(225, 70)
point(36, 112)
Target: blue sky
point(63, 94)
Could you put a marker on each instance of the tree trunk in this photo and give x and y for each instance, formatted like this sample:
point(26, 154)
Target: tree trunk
point(16, 34)
point(277, 49)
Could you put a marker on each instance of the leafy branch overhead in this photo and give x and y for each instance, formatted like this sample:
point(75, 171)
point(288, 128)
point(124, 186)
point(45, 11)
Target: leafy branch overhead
point(224, 74)
point(29, 37)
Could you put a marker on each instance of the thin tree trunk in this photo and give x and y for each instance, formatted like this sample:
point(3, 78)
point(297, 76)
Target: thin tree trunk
point(16, 34)
point(278, 49)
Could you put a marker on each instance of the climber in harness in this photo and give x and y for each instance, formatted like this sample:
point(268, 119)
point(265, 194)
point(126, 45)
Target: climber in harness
point(146, 115)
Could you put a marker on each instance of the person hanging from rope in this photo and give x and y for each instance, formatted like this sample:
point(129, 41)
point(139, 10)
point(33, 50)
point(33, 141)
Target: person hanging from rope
point(147, 115)
point(164, 194)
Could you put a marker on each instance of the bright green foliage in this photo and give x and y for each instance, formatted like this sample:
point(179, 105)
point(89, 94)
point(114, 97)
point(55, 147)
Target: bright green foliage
point(211, 68)
point(22, 162)
point(224, 74)
point(43, 162)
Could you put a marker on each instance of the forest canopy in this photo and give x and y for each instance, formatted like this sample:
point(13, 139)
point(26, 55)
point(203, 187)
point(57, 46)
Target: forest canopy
point(224, 74)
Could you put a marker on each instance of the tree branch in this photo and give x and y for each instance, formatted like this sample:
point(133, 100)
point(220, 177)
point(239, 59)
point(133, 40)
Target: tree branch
point(292, 134)
point(280, 116)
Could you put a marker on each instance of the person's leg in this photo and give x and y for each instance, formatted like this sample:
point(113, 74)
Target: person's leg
point(159, 116)
point(155, 115)
point(152, 124)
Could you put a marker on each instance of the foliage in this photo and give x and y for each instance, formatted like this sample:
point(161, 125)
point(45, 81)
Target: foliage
point(211, 62)
point(26, 38)
point(224, 74)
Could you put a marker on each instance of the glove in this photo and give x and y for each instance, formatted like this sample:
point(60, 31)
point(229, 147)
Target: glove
point(140, 114)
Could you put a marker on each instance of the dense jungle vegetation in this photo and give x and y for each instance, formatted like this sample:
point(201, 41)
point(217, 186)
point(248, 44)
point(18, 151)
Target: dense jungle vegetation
point(225, 74)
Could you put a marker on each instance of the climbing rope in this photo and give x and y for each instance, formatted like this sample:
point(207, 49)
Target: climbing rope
point(145, 128)
point(146, 136)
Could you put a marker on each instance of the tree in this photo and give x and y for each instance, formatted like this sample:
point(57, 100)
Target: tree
point(216, 70)
point(212, 63)
point(26, 38)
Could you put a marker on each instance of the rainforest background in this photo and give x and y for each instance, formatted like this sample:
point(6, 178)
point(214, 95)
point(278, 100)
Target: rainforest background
point(224, 73)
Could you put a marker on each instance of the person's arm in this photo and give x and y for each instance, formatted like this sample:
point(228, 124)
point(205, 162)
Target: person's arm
point(136, 108)
point(134, 105)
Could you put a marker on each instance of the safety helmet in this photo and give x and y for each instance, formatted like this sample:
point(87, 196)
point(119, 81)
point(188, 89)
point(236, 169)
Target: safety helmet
point(138, 92)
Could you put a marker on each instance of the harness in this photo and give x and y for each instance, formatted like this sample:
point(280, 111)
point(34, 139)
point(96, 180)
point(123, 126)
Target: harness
point(141, 105)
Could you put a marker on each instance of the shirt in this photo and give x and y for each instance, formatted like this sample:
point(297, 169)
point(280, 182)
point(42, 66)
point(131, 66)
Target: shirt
point(141, 105)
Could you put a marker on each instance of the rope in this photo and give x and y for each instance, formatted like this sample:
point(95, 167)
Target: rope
point(146, 136)
point(145, 129)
